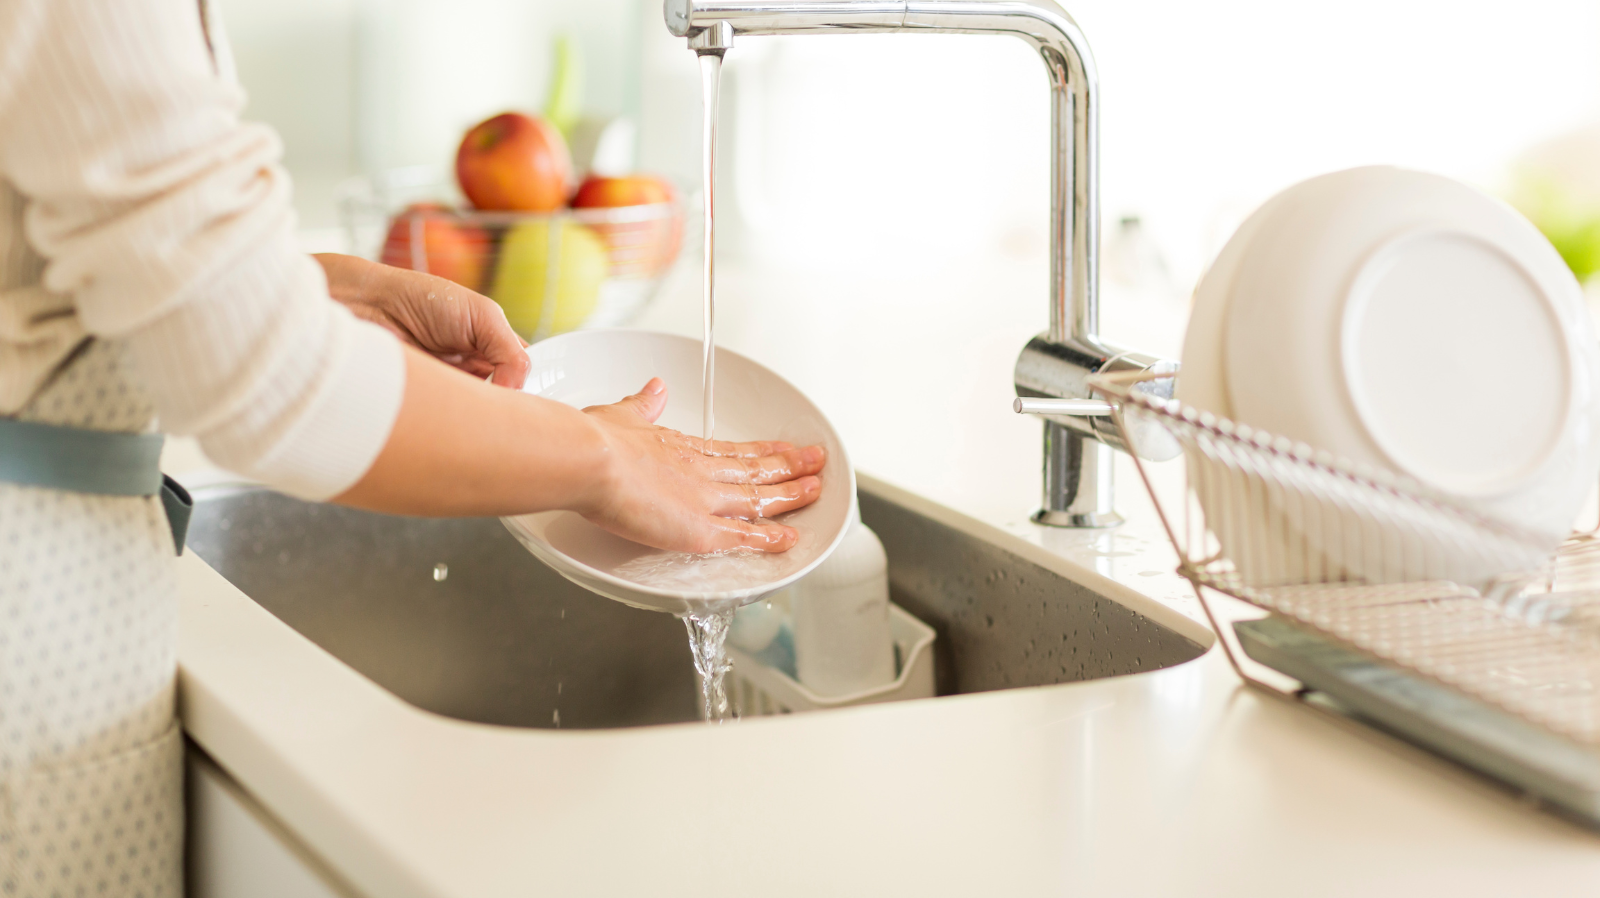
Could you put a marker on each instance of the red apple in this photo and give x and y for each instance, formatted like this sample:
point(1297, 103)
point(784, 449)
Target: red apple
point(514, 163)
point(645, 247)
point(429, 237)
point(634, 190)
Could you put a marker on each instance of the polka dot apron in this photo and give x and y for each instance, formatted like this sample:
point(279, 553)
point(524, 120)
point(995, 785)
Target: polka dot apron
point(91, 777)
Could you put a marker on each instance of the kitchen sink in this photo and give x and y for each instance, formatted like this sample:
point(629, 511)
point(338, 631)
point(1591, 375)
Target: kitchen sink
point(455, 617)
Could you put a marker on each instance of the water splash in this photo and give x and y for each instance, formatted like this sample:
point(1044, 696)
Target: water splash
point(708, 636)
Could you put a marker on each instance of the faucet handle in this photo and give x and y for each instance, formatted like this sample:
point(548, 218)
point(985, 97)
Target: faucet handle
point(1150, 440)
point(1077, 408)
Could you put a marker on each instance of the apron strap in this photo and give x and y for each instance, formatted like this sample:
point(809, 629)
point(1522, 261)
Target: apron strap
point(176, 500)
point(99, 462)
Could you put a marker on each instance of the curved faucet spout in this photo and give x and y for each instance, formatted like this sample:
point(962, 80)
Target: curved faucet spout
point(1078, 449)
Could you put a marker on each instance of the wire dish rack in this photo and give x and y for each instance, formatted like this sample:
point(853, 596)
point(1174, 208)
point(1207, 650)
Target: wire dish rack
point(1377, 564)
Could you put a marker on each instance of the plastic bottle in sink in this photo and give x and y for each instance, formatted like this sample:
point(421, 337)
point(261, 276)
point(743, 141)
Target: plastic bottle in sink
point(840, 615)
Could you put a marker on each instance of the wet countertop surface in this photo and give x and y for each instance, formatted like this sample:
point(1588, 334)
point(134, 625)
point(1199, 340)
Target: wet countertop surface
point(1179, 781)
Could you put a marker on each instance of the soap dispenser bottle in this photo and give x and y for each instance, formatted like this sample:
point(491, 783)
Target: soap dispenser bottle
point(840, 616)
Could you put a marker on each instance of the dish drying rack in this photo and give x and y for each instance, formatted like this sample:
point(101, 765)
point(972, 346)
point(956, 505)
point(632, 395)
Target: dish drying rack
point(1524, 641)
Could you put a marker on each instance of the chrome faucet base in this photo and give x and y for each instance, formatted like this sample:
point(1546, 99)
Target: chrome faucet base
point(1078, 488)
point(1092, 520)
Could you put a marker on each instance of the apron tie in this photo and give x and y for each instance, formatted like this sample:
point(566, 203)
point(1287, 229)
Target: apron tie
point(100, 462)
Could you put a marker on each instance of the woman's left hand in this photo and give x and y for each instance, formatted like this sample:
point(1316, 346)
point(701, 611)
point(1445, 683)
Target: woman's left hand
point(455, 325)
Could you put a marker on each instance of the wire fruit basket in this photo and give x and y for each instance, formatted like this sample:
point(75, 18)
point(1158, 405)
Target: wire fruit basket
point(551, 272)
point(1380, 567)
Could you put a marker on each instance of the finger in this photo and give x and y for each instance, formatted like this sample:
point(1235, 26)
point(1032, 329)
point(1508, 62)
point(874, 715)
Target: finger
point(475, 366)
point(497, 344)
point(512, 373)
point(648, 403)
point(763, 536)
point(725, 449)
point(750, 502)
point(775, 468)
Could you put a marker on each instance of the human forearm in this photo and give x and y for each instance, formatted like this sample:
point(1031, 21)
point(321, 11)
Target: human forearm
point(463, 447)
point(164, 225)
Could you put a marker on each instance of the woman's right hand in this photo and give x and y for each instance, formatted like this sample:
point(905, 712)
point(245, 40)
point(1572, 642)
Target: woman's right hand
point(660, 489)
point(460, 446)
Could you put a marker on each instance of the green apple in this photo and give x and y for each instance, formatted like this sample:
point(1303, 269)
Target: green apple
point(1571, 223)
point(523, 276)
point(1557, 185)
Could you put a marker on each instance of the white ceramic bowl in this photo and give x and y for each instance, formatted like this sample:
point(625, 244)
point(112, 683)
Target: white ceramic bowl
point(597, 367)
point(1202, 380)
point(1263, 554)
point(1406, 321)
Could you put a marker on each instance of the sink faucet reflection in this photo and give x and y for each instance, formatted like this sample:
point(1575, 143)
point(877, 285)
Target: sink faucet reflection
point(1078, 449)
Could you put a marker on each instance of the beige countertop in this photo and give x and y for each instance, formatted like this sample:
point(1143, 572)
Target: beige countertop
point(1177, 782)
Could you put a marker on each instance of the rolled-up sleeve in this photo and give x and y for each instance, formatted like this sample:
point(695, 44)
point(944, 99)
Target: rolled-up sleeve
point(167, 220)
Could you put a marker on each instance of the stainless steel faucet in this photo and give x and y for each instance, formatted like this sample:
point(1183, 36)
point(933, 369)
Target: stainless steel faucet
point(1078, 447)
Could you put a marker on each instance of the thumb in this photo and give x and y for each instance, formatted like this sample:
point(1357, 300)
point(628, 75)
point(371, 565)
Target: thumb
point(649, 402)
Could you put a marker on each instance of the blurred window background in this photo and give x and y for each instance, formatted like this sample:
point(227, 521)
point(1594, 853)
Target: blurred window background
point(883, 181)
point(928, 149)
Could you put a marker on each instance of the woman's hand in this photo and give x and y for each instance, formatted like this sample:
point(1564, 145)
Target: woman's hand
point(463, 447)
point(464, 329)
point(661, 490)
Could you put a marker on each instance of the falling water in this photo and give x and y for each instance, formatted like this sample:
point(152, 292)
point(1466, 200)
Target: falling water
point(710, 81)
point(708, 635)
point(708, 627)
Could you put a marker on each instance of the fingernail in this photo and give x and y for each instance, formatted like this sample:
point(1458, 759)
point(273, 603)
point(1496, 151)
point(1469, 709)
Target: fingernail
point(655, 386)
point(786, 538)
point(815, 453)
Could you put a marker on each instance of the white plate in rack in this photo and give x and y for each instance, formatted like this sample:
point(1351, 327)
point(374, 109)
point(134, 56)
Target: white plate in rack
point(1407, 321)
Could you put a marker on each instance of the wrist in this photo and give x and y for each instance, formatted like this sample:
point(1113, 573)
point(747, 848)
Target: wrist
point(599, 479)
point(351, 278)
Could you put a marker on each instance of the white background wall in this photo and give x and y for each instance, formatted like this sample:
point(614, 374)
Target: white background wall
point(357, 86)
point(853, 145)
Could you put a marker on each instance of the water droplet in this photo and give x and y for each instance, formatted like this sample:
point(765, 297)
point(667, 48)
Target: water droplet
point(440, 572)
point(555, 718)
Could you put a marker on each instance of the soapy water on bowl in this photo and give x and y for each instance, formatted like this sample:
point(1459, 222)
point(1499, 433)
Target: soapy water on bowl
point(736, 570)
point(720, 572)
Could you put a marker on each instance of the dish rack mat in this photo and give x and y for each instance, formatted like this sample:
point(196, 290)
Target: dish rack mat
point(1525, 640)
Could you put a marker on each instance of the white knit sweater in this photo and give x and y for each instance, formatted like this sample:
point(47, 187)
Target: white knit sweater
point(135, 206)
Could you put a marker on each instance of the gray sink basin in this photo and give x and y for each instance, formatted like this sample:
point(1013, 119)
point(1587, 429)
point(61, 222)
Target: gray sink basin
point(496, 637)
